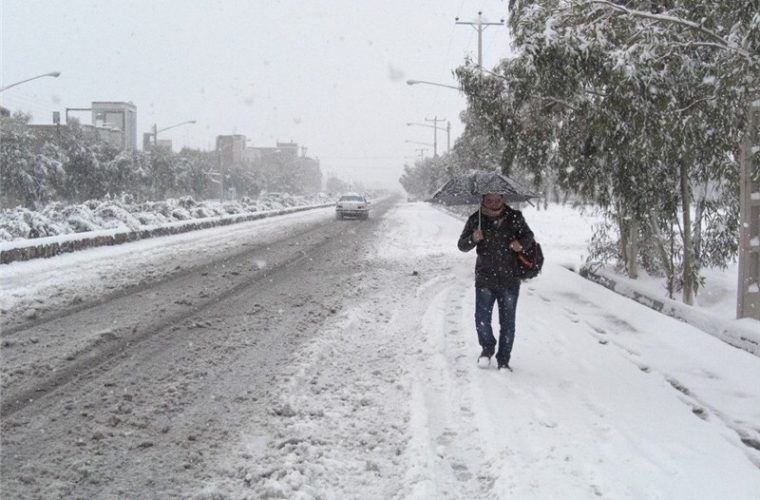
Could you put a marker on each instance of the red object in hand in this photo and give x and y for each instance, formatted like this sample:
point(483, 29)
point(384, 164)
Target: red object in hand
point(524, 260)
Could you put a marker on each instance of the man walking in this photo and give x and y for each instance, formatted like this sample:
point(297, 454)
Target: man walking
point(498, 233)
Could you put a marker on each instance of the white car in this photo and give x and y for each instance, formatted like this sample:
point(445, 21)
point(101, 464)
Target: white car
point(352, 205)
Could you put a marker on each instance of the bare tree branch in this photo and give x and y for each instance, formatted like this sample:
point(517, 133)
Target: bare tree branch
point(687, 108)
point(552, 100)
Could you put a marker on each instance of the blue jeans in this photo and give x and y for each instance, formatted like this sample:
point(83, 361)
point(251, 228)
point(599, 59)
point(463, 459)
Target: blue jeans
point(507, 300)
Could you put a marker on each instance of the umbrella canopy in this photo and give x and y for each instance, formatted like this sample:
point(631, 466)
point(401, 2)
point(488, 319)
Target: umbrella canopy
point(467, 189)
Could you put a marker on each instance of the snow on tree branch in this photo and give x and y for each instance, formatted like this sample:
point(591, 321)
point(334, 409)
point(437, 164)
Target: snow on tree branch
point(719, 40)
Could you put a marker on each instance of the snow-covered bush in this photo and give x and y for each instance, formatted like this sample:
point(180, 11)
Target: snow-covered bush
point(127, 198)
point(92, 204)
point(116, 217)
point(232, 208)
point(180, 213)
point(158, 207)
point(186, 202)
point(27, 223)
point(271, 205)
point(81, 219)
point(116, 212)
point(150, 218)
point(202, 212)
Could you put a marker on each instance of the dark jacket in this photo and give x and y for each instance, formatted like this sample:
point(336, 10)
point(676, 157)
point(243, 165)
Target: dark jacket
point(496, 265)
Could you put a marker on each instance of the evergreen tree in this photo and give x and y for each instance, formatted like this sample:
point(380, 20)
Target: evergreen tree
point(637, 106)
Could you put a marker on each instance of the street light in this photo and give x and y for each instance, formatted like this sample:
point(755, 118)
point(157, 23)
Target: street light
point(156, 130)
point(54, 74)
point(435, 120)
point(416, 82)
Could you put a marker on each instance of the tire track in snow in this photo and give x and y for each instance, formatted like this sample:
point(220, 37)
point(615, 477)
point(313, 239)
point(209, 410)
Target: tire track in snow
point(338, 423)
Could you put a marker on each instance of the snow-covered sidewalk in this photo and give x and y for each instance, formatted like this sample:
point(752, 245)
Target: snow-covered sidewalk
point(608, 399)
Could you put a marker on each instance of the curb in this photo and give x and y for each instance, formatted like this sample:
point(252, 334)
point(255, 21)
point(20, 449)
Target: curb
point(735, 334)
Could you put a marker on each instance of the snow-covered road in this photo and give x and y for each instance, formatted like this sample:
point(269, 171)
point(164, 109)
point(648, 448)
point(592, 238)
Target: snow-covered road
point(608, 399)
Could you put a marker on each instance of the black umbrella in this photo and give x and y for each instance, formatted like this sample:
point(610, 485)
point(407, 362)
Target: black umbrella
point(469, 188)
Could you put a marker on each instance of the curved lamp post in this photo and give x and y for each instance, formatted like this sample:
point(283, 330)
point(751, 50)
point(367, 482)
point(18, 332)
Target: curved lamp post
point(54, 74)
point(417, 82)
point(435, 121)
point(156, 130)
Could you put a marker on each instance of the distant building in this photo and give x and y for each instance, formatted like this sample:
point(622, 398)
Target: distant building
point(118, 115)
point(260, 154)
point(147, 141)
point(164, 144)
point(110, 135)
point(252, 155)
point(286, 167)
point(230, 148)
point(288, 150)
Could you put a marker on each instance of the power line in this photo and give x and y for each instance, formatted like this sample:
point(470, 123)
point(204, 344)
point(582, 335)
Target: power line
point(27, 103)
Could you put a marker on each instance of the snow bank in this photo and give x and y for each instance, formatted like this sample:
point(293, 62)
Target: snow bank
point(59, 229)
point(57, 218)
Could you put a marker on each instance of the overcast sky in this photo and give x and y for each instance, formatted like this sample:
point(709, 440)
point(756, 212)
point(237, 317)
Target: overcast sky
point(327, 74)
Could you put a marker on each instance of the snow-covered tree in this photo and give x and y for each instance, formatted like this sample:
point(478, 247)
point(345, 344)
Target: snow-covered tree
point(427, 175)
point(335, 184)
point(638, 106)
point(31, 172)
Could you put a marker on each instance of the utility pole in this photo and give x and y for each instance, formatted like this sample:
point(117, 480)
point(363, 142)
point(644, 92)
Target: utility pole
point(57, 121)
point(435, 121)
point(447, 129)
point(421, 151)
point(479, 26)
point(748, 299)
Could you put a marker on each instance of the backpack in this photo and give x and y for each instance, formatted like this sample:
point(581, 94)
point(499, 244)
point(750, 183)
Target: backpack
point(530, 261)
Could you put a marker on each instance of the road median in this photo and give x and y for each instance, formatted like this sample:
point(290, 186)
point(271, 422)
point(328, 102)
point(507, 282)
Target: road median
point(29, 249)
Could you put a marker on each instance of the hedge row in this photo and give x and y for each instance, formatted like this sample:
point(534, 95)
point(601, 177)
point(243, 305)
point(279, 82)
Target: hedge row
point(53, 248)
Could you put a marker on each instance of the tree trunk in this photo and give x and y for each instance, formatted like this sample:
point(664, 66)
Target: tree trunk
point(698, 215)
point(623, 232)
point(629, 232)
point(633, 249)
point(688, 251)
point(662, 252)
point(748, 302)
